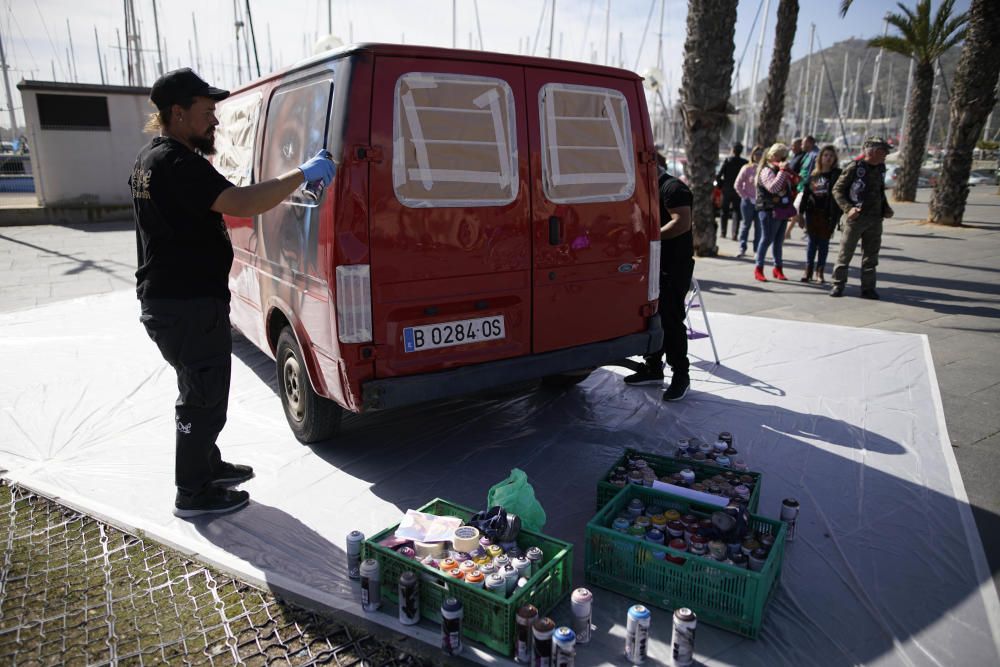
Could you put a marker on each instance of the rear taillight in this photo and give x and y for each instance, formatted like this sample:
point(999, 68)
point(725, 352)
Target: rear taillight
point(653, 289)
point(354, 303)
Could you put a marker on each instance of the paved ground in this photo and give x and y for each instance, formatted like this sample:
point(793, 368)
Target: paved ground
point(942, 282)
point(939, 281)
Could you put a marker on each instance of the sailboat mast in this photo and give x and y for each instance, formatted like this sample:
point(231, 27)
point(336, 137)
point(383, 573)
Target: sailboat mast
point(100, 64)
point(748, 131)
point(874, 89)
point(807, 105)
point(843, 85)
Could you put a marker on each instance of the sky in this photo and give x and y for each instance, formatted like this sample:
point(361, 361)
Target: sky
point(37, 34)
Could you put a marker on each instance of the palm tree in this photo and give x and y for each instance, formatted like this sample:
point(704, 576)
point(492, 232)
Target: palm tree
point(972, 99)
point(705, 87)
point(777, 74)
point(925, 39)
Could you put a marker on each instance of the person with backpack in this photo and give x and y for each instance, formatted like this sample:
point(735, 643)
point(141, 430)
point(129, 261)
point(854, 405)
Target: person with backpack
point(676, 270)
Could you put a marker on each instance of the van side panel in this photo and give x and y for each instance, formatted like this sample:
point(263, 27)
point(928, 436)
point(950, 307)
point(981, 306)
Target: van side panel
point(436, 264)
point(590, 271)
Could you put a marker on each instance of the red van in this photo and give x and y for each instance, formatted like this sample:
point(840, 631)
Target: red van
point(493, 219)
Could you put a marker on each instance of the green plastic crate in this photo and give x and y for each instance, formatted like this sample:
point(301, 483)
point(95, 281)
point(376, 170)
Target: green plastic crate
point(488, 618)
point(723, 595)
point(667, 465)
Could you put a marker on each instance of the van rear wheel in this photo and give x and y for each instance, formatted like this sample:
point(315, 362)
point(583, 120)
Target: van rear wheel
point(311, 416)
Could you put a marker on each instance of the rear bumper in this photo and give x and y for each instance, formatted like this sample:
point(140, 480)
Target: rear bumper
point(400, 391)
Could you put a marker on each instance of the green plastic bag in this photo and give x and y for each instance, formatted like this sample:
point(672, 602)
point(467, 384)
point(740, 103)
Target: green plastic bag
point(516, 495)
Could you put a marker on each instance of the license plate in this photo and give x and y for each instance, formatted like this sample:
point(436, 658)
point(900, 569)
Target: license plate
point(459, 332)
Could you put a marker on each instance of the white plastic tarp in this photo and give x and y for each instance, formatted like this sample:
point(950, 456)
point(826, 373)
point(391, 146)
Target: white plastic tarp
point(887, 568)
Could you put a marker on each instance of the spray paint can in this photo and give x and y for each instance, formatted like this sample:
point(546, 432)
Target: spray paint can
point(790, 514)
point(758, 559)
point(526, 617)
point(371, 585)
point(475, 578)
point(637, 634)
point(682, 644)
point(534, 556)
point(563, 647)
point(541, 631)
point(409, 598)
point(582, 602)
point(451, 626)
point(522, 565)
point(354, 540)
point(313, 190)
point(510, 576)
point(496, 583)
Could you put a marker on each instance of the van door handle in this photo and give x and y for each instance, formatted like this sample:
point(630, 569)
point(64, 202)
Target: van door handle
point(555, 234)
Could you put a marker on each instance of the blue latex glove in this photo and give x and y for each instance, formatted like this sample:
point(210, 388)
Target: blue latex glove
point(319, 168)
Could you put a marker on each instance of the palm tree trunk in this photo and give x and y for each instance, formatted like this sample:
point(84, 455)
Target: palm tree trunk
point(972, 99)
point(705, 87)
point(777, 74)
point(917, 126)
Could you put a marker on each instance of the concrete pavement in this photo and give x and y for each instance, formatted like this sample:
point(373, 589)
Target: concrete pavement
point(942, 282)
point(939, 281)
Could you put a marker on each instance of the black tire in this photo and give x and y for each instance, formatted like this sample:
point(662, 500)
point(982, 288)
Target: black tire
point(566, 380)
point(311, 417)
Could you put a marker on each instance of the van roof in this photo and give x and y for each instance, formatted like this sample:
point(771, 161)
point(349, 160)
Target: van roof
point(441, 53)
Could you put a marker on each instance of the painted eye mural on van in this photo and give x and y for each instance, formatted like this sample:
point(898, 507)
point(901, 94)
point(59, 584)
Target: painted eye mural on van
point(296, 120)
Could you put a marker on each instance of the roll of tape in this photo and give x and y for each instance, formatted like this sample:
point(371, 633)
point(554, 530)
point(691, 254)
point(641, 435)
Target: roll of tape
point(425, 549)
point(466, 538)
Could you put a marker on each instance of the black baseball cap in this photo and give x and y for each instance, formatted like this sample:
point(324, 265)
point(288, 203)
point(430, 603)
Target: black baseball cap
point(182, 84)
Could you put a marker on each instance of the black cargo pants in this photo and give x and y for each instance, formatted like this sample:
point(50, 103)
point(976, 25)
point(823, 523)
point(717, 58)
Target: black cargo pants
point(677, 269)
point(195, 339)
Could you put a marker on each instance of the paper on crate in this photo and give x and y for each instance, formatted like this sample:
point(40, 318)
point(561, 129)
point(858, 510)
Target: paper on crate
point(422, 527)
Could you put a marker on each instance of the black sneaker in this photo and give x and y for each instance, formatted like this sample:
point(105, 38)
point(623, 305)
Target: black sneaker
point(647, 375)
point(231, 473)
point(869, 294)
point(838, 290)
point(210, 500)
point(678, 388)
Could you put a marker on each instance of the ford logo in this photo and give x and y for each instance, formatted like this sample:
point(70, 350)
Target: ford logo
point(626, 268)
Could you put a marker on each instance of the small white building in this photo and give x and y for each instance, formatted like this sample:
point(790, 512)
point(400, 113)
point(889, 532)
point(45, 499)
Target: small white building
point(83, 140)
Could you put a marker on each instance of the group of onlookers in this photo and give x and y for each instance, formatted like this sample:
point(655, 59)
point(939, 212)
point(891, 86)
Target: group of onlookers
point(779, 188)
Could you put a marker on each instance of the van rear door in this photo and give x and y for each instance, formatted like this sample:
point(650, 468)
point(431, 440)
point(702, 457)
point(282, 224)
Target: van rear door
point(590, 211)
point(450, 238)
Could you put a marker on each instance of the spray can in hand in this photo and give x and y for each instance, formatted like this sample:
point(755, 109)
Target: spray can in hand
point(313, 190)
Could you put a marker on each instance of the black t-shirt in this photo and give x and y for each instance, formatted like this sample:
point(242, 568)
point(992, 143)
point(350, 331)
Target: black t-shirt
point(674, 194)
point(182, 246)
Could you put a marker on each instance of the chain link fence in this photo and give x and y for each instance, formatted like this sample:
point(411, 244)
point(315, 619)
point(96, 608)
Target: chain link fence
point(74, 591)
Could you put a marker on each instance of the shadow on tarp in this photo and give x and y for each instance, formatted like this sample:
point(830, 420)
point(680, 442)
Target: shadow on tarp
point(879, 557)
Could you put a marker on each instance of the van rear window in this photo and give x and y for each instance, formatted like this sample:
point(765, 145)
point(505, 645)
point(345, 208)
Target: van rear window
point(454, 141)
point(234, 138)
point(587, 151)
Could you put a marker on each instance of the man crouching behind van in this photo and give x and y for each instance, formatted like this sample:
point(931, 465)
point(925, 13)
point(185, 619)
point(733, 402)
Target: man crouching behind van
point(676, 269)
point(184, 257)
